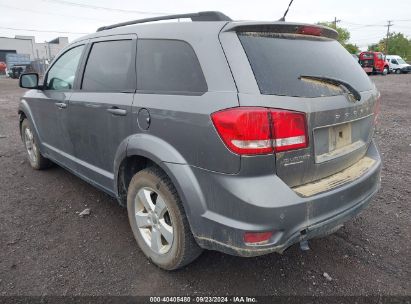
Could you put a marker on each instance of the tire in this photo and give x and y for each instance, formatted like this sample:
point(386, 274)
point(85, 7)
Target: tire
point(37, 161)
point(397, 71)
point(385, 71)
point(153, 199)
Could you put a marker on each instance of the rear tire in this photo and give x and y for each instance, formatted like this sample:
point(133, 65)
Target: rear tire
point(158, 220)
point(37, 161)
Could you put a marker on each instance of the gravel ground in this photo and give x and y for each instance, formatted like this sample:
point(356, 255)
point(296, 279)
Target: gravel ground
point(46, 248)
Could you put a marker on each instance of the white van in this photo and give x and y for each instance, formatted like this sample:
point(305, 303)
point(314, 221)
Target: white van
point(398, 65)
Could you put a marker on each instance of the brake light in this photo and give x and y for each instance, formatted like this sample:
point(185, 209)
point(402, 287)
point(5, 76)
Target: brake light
point(309, 30)
point(253, 130)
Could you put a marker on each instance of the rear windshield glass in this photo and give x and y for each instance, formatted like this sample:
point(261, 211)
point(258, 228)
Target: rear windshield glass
point(367, 56)
point(278, 62)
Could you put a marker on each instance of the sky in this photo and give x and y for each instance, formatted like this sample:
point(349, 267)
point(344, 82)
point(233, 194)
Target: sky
point(47, 19)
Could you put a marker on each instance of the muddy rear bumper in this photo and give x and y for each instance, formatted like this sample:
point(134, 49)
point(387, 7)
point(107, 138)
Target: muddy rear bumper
point(235, 204)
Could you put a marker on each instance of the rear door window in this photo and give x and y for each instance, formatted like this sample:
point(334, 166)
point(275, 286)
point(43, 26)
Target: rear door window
point(168, 67)
point(278, 61)
point(110, 67)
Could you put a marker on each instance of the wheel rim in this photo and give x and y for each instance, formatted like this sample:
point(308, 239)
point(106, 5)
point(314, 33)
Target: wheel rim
point(153, 220)
point(30, 145)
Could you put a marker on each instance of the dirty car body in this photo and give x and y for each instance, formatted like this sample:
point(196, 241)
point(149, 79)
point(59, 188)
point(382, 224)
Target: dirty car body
point(242, 195)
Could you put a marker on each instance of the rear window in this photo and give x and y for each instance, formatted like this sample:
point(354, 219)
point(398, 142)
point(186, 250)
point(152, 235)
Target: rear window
point(168, 67)
point(367, 56)
point(279, 60)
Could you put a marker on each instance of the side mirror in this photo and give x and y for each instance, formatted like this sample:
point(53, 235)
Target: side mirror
point(29, 81)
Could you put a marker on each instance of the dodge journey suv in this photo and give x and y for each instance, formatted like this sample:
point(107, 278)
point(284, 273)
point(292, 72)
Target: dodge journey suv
point(206, 132)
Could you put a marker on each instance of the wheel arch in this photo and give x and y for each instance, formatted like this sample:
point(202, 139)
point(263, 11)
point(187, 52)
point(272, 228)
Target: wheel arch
point(144, 150)
point(136, 153)
point(24, 112)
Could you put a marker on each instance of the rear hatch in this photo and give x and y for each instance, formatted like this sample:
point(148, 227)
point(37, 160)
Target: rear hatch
point(293, 65)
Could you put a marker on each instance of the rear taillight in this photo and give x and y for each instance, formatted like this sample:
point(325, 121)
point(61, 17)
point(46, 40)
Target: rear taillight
point(244, 130)
point(289, 130)
point(253, 130)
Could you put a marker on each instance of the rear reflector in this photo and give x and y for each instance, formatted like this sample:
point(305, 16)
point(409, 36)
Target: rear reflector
point(257, 238)
point(253, 130)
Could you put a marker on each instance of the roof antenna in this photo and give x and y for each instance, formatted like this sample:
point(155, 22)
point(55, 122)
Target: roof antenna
point(286, 12)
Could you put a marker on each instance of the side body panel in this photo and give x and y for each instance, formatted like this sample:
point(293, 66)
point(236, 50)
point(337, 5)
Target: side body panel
point(47, 111)
point(183, 121)
point(98, 122)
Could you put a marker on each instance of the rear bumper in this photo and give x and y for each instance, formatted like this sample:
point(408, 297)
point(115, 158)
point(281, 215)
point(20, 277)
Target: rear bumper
point(234, 204)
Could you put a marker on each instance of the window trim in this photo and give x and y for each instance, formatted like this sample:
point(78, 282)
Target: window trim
point(76, 75)
point(109, 38)
point(183, 93)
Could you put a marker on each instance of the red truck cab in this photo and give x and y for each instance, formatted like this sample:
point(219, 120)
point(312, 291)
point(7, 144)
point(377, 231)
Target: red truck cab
point(374, 62)
point(3, 67)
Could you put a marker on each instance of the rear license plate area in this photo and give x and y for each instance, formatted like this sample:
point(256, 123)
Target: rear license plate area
point(339, 136)
point(331, 142)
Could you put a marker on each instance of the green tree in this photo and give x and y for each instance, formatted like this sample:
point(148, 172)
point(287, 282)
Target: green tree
point(352, 48)
point(343, 34)
point(398, 44)
point(343, 37)
point(375, 47)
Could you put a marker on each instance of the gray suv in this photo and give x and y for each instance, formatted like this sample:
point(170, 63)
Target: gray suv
point(241, 137)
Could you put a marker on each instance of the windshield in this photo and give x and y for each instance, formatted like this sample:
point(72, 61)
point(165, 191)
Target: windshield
point(278, 61)
point(401, 61)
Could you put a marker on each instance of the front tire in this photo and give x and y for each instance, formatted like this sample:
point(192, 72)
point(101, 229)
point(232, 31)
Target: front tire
point(398, 71)
point(37, 161)
point(385, 71)
point(158, 220)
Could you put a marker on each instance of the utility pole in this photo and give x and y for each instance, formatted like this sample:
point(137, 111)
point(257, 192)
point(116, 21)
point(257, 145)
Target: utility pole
point(335, 22)
point(388, 35)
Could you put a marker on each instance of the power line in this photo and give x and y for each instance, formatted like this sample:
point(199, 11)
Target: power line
point(70, 3)
point(53, 14)
point(374, 24)
point(41, 31)
point(361, 24)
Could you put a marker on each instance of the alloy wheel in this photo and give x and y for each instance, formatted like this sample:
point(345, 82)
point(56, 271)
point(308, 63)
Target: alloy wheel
point(30, 145)
point(153, 220)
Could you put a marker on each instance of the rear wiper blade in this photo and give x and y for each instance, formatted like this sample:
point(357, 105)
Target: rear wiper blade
point(335, 81)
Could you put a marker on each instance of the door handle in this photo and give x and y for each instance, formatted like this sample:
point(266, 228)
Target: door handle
point(61, 105)
point(117, 111)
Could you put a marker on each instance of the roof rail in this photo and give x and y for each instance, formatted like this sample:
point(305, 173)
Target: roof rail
point(200, 16)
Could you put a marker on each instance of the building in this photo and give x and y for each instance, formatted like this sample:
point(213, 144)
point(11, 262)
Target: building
point(27, 45)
